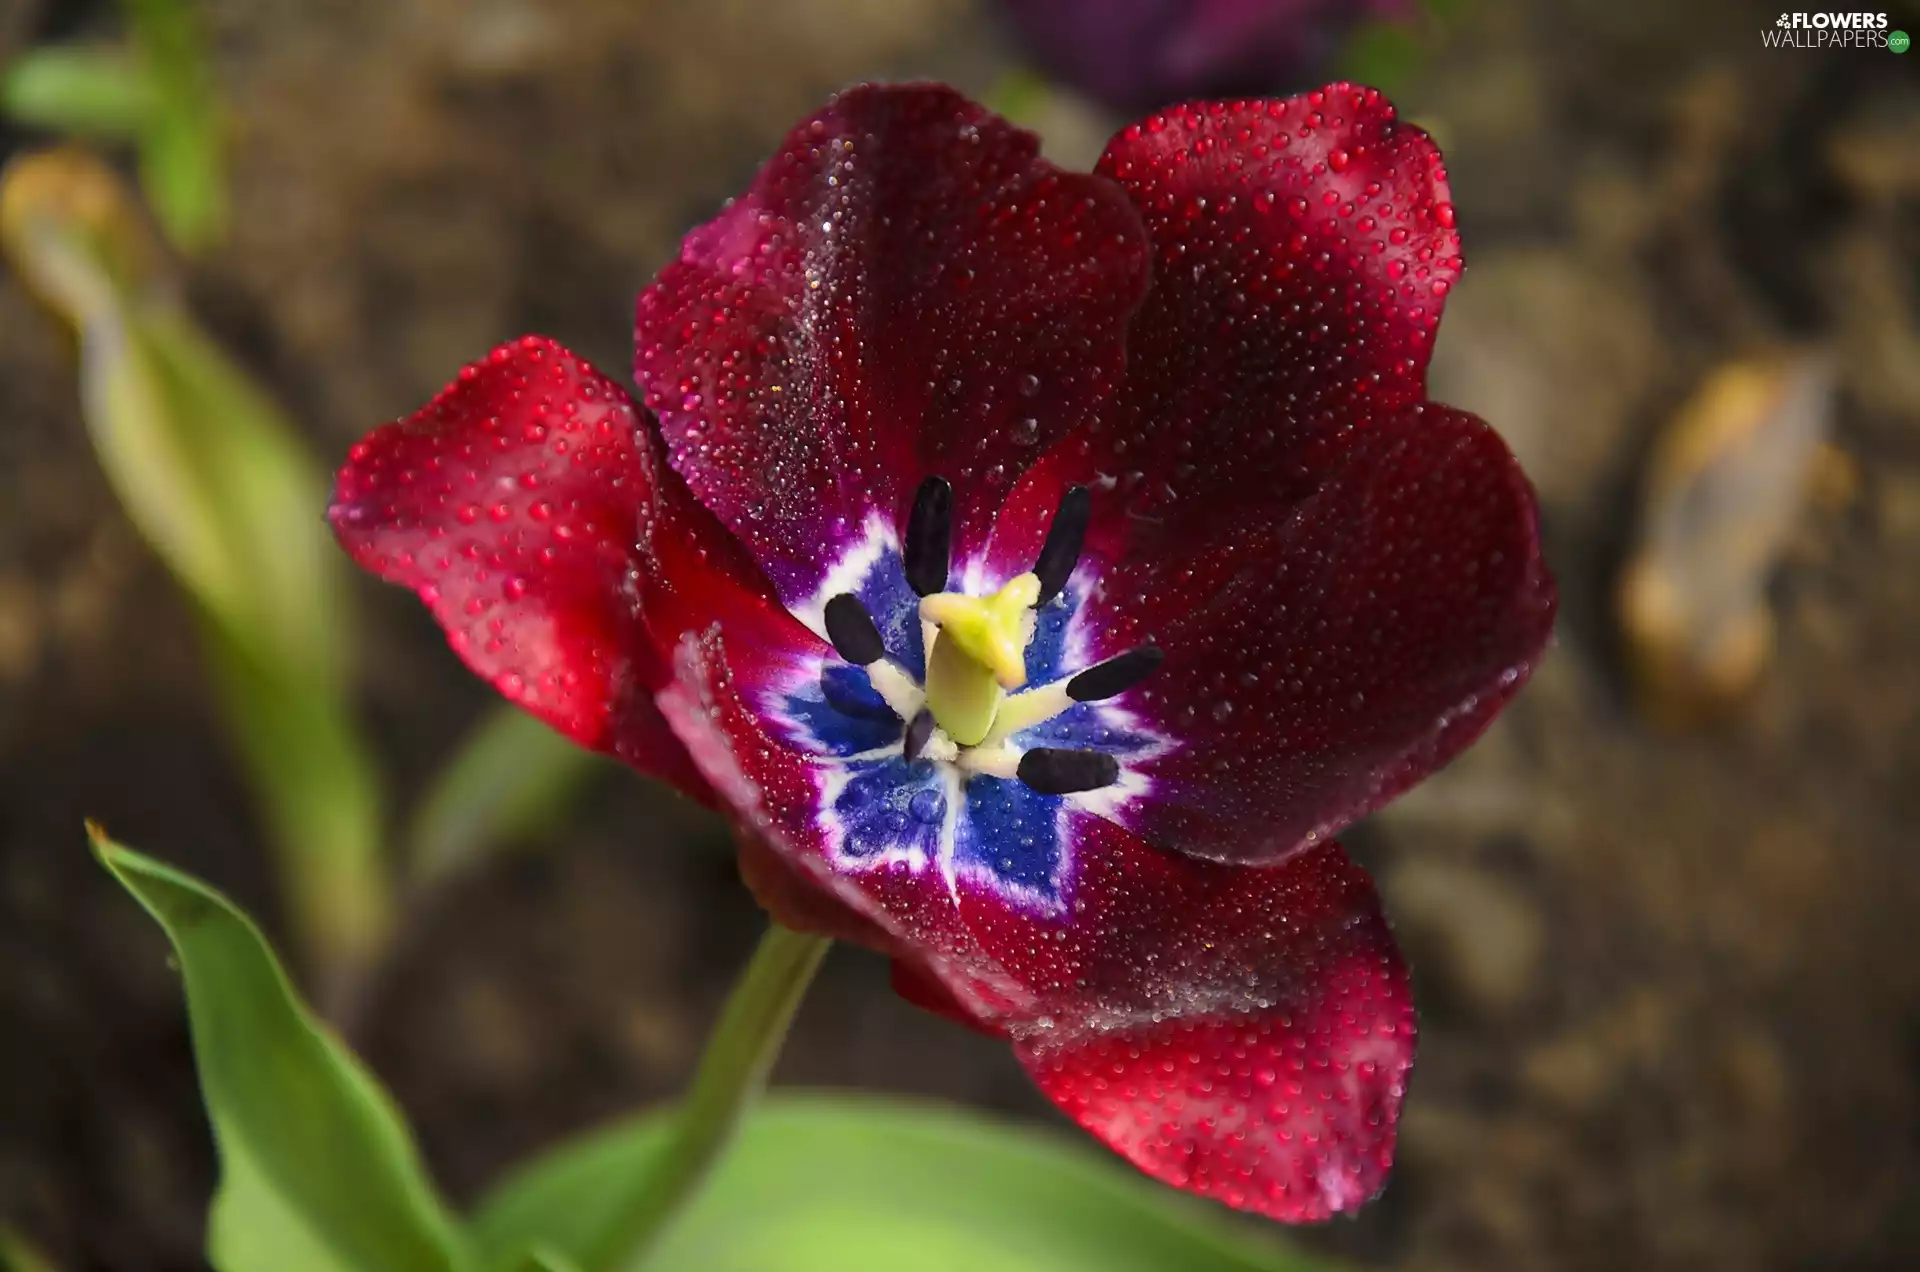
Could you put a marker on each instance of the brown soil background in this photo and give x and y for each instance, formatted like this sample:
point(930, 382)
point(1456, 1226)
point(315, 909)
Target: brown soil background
point(1670, 999)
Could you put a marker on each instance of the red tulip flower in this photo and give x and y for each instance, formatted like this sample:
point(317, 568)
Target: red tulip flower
point(1038, 569)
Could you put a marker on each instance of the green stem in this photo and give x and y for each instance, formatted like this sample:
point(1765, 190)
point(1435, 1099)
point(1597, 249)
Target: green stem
point(733, 1071)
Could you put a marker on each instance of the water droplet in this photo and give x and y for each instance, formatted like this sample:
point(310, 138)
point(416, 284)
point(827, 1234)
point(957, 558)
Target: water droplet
point(927, 806)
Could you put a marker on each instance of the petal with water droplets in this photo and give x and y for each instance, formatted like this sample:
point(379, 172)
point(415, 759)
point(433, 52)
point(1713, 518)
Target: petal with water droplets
point(1302, 249)
point(1324, 657)
point(1242, 1033)
point(906, 290)
point(528, 506)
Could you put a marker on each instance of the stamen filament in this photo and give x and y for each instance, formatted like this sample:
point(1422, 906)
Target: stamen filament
point(897, 687)
point(1024, 710)
point(918, 733)
point(991, 759)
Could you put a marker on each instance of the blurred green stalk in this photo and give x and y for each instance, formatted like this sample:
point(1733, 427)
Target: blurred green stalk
point(181, 165)
point(16, 1255)
point(217, 481)
point(510, 779)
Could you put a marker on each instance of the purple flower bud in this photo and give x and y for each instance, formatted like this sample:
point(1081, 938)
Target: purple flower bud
point(1139, 54)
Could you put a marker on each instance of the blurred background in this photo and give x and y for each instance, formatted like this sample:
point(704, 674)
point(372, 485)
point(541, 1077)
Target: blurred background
point(1661, 919)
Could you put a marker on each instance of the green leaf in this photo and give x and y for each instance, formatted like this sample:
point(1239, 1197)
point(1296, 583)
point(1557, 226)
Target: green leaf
point(181, 171)
point(92, 92)
point(510, 780)
point(181, 164)
point(1384, 55)
point(17, 1254)
point(281, 582)
point(212, 471)
point(823, 1183)
point(540, 1261)
point(318, 1171)
point(320, 793)
point(219, 482)
point(1020, 96)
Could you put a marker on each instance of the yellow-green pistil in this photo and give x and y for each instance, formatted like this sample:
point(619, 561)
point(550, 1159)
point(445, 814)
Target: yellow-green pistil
point(978, 654)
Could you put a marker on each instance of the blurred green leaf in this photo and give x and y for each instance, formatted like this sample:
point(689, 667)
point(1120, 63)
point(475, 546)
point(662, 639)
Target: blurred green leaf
point(511, 779)
point(180, 169)
point(91, 92)
point(850, 1184)
point(158, 93)
point(540, 1261)
point(210, 468)
point(1020, 96)
point(17, 1254)
point(180, 159)
point(320, 793)
point(219, 483)
point(280, 579)
point(318, 1171)
point(1382, 55)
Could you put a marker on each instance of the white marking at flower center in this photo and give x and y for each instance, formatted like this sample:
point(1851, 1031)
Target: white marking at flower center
point(877, 537)
point(997, 757)
point(900, 690)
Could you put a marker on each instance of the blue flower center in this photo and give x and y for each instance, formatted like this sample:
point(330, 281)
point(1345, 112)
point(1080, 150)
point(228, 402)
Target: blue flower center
point(997, 815)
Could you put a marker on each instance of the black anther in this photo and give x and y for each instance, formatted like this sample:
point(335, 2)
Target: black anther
point(917, 734)
point(1115, 675)
point(929, 546)
point(852, 632)
point(1057, 771)
point(1065, 537)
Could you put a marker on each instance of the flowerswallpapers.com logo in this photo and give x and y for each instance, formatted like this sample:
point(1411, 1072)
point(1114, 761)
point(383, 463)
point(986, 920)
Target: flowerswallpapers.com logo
point(1833, 31)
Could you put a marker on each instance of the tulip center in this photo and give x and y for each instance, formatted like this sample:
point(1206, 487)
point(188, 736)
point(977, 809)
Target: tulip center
point(966, 714)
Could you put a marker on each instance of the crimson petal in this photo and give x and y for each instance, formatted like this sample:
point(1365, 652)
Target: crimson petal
point(1318, 665)
point(528, 505)
point(1243, 1033)
point(773, 795)
point(907, 289)
point(1302, 250)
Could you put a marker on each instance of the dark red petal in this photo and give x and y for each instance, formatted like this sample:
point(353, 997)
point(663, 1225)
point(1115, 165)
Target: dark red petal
point(1302, 250)
point(522, 504)
point(1028, 514)
point(772, 793)
point(1244, 1033)
point(926, 991)
point(796, 901)
point(907, 289)
point(1320, 663)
